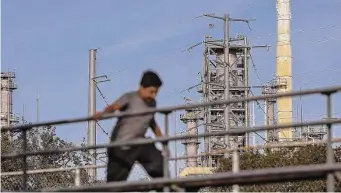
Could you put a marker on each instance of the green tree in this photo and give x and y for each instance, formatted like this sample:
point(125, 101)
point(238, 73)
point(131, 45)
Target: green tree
point(39, 139)
point(281, 157)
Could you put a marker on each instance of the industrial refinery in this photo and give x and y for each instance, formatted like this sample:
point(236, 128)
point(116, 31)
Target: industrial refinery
point(224, 76)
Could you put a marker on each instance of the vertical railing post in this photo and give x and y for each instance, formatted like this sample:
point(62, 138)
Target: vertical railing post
point(235, 167)
point(330, 153)
point(165, 152)
point(77, 177)
point(24, 157)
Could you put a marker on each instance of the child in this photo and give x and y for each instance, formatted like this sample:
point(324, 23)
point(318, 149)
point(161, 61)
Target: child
point(121, 159)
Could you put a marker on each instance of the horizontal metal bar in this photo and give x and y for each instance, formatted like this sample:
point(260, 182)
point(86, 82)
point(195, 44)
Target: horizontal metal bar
point(225, 178)
point(179, 107)
point(50, 170)
point(214, 16)
point(234, 130)
point(292, 144)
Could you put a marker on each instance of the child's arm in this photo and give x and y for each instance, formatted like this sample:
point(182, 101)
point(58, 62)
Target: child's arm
point(155, 127)
point(117, 105)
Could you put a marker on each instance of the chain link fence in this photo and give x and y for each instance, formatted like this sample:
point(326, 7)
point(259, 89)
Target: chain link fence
point(47, 179)
point(303, 155)
point(37, 181)
point(44, 171)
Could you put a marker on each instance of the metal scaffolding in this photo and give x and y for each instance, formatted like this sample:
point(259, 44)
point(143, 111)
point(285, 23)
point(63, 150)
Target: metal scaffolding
point(214, 89)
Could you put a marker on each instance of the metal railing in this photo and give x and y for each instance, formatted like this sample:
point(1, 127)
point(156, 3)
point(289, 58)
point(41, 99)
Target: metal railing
point(76, 170)
point(256, 176)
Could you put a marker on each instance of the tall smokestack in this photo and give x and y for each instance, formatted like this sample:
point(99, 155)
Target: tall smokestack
point(284, 69)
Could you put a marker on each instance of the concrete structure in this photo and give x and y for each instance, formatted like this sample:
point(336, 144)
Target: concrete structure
point(191, 145)
point(284, 69)
point(191, 119)
point(270, 89)
point(8, 118)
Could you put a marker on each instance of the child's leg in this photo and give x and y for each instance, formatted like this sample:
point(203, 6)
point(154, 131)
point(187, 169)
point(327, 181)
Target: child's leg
point(151, 159)
point(119, 164)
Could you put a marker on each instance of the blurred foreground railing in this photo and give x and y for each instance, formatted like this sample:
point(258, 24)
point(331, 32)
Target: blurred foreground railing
point(256, 176)
point(76, 170)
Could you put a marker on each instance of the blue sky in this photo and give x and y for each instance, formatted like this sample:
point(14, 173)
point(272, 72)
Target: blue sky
point(47, 44)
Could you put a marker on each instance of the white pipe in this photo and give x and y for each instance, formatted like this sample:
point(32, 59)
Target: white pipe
point(235, 168)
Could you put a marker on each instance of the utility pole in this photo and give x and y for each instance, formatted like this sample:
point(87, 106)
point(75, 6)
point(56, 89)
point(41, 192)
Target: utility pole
point(92, 110)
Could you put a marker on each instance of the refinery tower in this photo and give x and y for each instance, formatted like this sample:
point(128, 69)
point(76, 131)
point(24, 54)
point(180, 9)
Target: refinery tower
point(8, 85)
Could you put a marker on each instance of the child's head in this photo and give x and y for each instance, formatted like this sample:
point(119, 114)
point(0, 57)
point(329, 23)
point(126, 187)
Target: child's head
point(149, 85)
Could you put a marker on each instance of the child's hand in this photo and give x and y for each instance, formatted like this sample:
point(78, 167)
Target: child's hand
point(167, 151)
point(97, 115)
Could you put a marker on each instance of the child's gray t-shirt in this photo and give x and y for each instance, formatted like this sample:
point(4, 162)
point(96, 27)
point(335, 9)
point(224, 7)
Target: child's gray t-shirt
point(132, 127)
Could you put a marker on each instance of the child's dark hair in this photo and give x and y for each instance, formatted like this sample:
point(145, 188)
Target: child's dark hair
point(150, 78)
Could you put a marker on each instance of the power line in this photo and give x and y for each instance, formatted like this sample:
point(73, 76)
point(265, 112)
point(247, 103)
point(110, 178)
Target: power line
point(105, 100)
point(104, 131)
point(325, 40)
point(294, 31)
point(155, 39)
point(263, 110)
point(254, 68)
point(258, 77)
point(256, 71)
point(100, 92)
point(303, 30)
